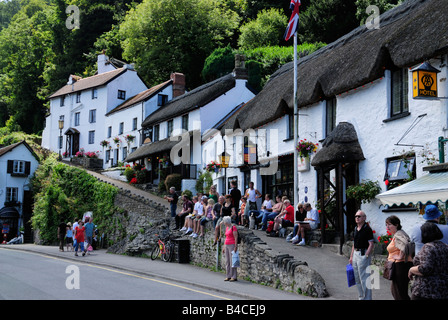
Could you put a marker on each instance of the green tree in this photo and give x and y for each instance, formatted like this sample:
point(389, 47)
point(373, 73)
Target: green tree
point(162, 36)
point(383, 6)
point(327, 20)
point(266, 30)
point(24, 51)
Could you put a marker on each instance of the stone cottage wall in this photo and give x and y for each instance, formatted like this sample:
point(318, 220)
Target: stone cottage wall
point(143, 219)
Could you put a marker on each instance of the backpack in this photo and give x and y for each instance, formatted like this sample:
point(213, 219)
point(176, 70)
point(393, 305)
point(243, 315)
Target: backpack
point(239, 238)
point(270, 227)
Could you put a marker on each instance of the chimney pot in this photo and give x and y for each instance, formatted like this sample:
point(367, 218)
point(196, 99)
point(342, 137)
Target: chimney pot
point(178, 84)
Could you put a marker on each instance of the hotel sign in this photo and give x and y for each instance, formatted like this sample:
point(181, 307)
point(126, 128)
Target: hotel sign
point(424, 81)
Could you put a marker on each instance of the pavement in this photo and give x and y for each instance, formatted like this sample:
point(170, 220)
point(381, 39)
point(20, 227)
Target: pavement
point(330, 265)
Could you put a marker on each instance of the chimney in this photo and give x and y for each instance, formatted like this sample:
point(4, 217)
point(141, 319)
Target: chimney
point(240, 71)
point(178, 84)
point(103, 64)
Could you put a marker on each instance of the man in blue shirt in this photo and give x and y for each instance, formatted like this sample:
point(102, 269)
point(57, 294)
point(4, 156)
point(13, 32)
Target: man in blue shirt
point(89, 233)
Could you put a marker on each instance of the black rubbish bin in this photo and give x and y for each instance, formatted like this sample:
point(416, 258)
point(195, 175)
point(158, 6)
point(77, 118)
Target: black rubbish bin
point(182, 250)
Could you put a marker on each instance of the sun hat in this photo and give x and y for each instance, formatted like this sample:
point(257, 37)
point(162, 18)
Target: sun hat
point(431, 212)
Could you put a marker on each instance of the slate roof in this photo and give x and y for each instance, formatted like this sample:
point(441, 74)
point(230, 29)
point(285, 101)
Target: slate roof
point(408, 34)
point(89, 82)
point(142, 96)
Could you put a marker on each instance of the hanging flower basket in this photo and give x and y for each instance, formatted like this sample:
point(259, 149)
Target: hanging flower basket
point(129, 138)
point(117, 140)
point(306, 148)
point(104, 143)
point(213, 167)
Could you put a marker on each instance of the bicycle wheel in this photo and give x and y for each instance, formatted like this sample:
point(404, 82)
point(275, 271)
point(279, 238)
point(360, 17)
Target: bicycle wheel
point(168, 254)
point(155, 252)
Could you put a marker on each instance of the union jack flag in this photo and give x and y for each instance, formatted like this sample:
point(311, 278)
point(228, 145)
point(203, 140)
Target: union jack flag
point(294, 20)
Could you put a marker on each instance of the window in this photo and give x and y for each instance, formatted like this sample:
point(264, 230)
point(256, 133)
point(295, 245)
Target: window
point(399, 92)
point(400, 168)
point(78, 97)
point(92, 137)
point(109, 132)
point(330, 116)
point(156, 132)
point(121, 128)
point(77, 118)
point(250, 151)
point(122, 94)
point(162, 99)
point(125, 153)
point(12, 195)
point(107, 155)
point(290, 133)
point(62, 101)
point(92, 116)
point(134, 124)
point(169, 128)
point(94, 93)
point(19, 167)
point(185, 122)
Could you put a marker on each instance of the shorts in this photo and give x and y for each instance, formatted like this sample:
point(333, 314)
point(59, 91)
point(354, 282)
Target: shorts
point(68, 240)
point(287, 223)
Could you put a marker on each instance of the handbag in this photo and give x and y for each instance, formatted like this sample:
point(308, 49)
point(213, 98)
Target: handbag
point(389, 270)
point(350, 275)
point(235, 259)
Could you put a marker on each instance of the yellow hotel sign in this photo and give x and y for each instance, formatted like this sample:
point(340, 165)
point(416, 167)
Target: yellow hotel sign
point(424, 81)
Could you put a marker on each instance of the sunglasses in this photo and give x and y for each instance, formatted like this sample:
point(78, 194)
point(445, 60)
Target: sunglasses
point(359, 216)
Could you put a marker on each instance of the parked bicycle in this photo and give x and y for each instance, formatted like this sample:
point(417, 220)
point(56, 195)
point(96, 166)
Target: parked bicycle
point(163, 249)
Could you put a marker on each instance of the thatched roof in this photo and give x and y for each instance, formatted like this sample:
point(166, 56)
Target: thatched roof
point(408, 34)
point(191, 100)
point(341, 146)
point(146, 150)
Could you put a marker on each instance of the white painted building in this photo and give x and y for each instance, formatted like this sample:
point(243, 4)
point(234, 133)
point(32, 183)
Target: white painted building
point(362, 82)
point(83, 103)
point(17, 165)
point(194, 113)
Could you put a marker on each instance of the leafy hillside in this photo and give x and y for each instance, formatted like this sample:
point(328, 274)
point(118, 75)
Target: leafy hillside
point(39, 48)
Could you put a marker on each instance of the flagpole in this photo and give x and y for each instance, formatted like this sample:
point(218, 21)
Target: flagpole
point(296, 129)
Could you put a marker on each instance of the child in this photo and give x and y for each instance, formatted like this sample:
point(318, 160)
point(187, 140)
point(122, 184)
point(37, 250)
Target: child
point(80, 231)
point(196, 222)
point(208, 215)
point(69, 237)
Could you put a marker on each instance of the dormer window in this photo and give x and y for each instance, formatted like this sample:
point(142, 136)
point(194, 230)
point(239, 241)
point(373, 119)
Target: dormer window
point(162, 99)
point(62, 101)
point(122, 94)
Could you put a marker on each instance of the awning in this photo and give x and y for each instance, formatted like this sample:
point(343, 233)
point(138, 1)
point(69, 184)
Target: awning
point(431, 187)
point(9, 212)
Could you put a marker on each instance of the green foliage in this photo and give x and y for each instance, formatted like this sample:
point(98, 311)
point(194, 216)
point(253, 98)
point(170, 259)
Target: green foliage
point(265, 31)
point(383, 6)
point(65, 193)
point(205, 177)
point(364, 192)
point(162, 36)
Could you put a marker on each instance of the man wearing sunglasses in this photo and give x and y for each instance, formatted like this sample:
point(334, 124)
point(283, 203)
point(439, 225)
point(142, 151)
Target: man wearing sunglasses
point(360, 256)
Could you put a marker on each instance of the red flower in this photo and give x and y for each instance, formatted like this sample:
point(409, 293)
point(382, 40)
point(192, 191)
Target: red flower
point(133, 181)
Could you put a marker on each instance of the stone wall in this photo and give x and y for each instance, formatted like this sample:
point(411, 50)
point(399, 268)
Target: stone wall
point(142, 219)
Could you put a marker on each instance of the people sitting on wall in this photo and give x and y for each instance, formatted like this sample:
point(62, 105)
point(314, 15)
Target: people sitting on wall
point(284, 219)
point(188, 219)
point(196, 220)
point(309, 223)
point(265, 212)
point(187, 208)
point(295, 236)
point(208, 216)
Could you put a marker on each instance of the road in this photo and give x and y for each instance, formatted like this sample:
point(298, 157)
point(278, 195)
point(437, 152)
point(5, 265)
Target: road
point(33, 276)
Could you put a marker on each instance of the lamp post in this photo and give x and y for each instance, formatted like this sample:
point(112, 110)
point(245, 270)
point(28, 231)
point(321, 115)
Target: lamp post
point(61, 126)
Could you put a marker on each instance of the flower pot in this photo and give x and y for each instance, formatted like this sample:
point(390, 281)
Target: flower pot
point(303, 164)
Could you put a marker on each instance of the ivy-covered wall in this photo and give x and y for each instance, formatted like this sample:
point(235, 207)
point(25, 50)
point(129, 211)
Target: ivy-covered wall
point(63, 192)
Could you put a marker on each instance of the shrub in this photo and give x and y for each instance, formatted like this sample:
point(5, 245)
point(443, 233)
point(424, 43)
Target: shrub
point(173, 180)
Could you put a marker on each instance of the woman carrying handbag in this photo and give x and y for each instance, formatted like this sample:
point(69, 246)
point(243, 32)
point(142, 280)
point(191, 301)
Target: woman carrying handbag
point(401, 254)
